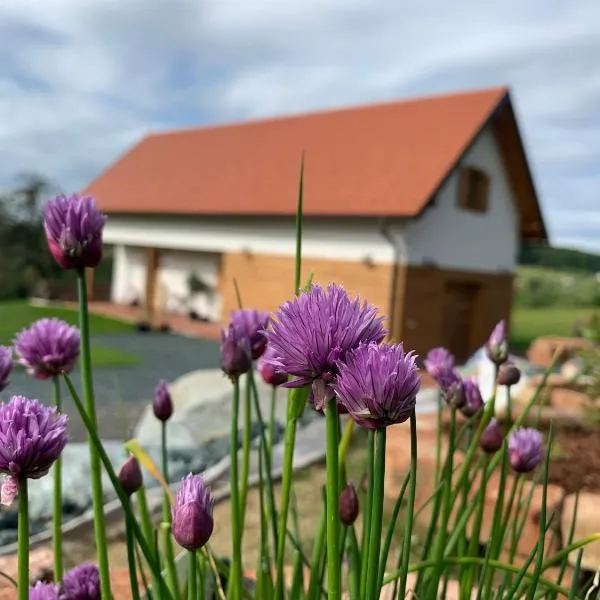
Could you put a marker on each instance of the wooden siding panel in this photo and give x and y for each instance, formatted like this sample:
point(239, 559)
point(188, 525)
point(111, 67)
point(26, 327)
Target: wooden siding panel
point(266, 281)
point(423, 306)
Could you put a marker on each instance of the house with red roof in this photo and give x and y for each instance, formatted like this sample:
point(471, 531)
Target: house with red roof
point(418, 206)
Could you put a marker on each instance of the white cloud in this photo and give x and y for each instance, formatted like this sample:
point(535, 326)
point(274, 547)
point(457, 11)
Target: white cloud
point(81, 80)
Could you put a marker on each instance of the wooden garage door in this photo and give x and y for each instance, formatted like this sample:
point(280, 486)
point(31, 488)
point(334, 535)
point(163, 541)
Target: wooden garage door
point(458, 317)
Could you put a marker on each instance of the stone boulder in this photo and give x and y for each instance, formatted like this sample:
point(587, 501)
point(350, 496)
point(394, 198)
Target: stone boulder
point(202, 410)
point(542, 349)
point(568, 400)
point(587, 522)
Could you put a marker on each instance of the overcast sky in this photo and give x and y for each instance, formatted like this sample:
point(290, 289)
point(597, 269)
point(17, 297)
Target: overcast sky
point(82, 80)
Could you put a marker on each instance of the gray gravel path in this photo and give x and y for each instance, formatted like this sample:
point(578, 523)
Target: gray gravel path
point(162, 356)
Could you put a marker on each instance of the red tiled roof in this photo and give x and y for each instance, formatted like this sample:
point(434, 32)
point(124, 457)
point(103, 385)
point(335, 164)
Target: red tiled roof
point(380, 160)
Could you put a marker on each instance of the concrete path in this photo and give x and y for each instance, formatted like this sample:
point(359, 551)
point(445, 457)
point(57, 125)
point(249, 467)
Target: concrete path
point(162, 356)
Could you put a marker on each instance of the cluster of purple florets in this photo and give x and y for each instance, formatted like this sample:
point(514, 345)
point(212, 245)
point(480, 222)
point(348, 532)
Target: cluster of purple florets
point(525, 445)
point(80, 583)
point(332, 343)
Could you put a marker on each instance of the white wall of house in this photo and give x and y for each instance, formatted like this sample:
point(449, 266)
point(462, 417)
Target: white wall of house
point(129, 275)
point(174, 293)
point(445, 235)
point(455, 238)
point(344, 239)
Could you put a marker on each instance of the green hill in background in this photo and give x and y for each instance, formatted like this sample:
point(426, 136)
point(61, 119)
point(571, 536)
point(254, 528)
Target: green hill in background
point(560, 259)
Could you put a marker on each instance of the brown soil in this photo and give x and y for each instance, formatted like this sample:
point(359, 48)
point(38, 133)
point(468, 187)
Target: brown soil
point(575, 459)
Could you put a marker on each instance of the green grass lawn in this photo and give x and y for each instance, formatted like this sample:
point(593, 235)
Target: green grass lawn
point(18, 315)
point(530, 323)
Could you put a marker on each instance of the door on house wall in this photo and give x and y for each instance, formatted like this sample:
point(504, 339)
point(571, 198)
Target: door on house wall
point(457, 319)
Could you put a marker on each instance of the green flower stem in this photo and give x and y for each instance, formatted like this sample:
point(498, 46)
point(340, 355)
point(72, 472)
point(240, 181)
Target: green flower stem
point(286, 488)
point(95, 466)
point(169, 560)
point(446, 506)
point(389, 537)
point(201, 562)
point(496, 523)
point(410, 509)
point(247, 439)
point(318, 554)
point(438, 435)
point(564, 562)
point(271, 438)
point(376, 515)
point(353, 565)
point(146, 525)
point(333, 501)
point(544, 525)
point(464, 502)
point(130, 539)
point(519, 520)
point(57, 498)
point(266, 447)
point(475, 534)
point(366, 534)
point(234, 584)
point(145, 546)
point(343, 450)
point(264, 577)
point(192, 576)
point(144, 515)
point(23, 541)
point(166, 510)
point(472, 560)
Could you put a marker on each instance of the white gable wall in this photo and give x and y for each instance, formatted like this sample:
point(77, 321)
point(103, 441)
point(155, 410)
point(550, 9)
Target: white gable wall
point(454, 238)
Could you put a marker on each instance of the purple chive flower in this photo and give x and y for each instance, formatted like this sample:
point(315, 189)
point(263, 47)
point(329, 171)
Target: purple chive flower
point(32, 436)
point(312, 334)
point(491, 438)
point(73, 227)
point(453, 389)
point(43, 591)
point(270, 374)
point(162, 404)
point(81, 583)
point(525, 449)
point(252, 324)
point(473, 402)
point(378, 385)
point(236, 354)
point(49, 348)
point(348, 505)
point(508, 374)
point(497, 344)
point(192, 514)
point(6, 366)
point(130, 476)
point(439, 363)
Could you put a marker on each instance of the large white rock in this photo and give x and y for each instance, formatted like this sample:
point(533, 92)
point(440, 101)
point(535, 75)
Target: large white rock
point(202, 410)
point(485, 372)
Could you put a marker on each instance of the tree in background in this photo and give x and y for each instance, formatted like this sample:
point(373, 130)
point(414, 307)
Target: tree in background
point(26, 261)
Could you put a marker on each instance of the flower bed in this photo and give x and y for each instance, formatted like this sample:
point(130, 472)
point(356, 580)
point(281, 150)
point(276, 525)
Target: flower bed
point(478, 498)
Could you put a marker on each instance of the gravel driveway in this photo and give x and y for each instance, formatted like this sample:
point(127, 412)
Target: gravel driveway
point(162, 356)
